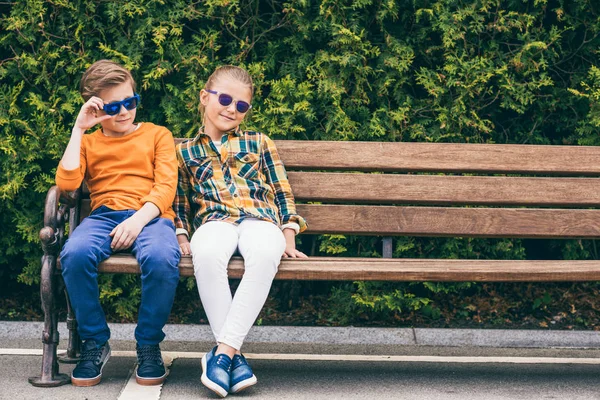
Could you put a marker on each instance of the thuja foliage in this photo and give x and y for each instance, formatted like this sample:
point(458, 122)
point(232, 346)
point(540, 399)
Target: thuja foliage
point(485, 71)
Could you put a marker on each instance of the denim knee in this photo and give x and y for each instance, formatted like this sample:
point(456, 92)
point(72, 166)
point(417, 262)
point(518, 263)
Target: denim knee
point(77, 257)
point(161, 262)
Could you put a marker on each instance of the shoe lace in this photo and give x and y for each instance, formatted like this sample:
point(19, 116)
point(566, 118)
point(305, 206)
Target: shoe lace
point(224, 361)
point(238, 360)
point(94, 354)
point(149, 353)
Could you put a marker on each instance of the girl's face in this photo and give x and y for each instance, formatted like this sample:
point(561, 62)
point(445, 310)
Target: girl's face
point(219, 119)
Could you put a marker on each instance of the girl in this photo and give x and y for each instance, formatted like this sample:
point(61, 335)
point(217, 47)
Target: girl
point(237, 187)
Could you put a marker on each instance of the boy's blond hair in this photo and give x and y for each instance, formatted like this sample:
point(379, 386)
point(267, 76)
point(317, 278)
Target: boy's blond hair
point(101, 75)
point(231, 72)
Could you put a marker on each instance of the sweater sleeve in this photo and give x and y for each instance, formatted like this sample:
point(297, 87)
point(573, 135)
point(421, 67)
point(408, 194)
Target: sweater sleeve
point(165, 172)
point(69, 180)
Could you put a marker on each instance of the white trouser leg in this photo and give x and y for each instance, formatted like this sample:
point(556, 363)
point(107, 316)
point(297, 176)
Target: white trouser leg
point(212, 245)
point(262, 244)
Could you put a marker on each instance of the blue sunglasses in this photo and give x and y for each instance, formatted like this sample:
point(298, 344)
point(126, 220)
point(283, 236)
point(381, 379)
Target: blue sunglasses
point(115, 107)
point(225, 100)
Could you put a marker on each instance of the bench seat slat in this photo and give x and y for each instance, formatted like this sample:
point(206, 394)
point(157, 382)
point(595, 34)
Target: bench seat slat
point(399, 269)
point(435, 189)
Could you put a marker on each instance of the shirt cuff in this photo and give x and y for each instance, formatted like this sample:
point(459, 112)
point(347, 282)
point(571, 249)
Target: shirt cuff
point(181, 231)
point(68, 180)
point(292, 225)
point(156, 200)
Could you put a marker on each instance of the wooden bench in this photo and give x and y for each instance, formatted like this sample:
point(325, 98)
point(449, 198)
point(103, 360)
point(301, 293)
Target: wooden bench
point(406, 196)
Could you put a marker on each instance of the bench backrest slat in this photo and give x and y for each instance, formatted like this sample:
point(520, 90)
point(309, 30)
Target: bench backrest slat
point(452, 221)
point(440, 157)
point(435, 189)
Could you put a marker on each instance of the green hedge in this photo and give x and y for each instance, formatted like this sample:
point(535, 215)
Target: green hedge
point(456, 71)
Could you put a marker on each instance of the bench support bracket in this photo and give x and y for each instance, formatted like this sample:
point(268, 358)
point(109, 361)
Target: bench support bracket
point(387, 247)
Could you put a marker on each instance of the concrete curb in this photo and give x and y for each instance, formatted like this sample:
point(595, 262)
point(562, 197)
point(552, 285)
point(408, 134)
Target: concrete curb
point(492, 338)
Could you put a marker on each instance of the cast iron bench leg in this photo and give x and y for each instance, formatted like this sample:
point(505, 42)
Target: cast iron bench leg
point(72, 356)
point(50, 375)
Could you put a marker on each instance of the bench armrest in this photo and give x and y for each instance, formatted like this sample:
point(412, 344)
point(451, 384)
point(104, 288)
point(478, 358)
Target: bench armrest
point(56, 212)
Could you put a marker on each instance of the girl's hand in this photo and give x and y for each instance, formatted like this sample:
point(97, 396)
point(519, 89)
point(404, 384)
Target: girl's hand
point(291, 252)
point(87, 117)
point(125, 233)
point(184, 245)
point(290, 245)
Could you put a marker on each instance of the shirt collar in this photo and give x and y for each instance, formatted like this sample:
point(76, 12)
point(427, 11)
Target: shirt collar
point(235, 132)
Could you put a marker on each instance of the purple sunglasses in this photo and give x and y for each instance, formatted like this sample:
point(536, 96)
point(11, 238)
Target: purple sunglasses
point(225, 100)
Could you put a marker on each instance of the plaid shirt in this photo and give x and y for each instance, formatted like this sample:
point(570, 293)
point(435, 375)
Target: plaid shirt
point(245, 179)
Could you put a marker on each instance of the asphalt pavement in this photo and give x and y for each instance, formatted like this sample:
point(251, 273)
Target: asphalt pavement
point(336, 363)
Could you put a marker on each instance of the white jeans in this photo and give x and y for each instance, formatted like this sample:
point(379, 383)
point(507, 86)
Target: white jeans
point(262, 244)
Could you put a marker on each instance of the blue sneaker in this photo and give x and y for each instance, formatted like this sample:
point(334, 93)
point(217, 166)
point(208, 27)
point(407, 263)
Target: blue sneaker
point(242, 376)
point(88, 371)
point(151, 368)
point(216, 371)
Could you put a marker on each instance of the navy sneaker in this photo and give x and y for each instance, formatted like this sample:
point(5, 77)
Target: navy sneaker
point(242, 376)
point(151, 368)
point(88, 371)
point(216, 371)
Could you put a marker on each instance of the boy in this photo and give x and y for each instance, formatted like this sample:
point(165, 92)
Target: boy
point(131, 172)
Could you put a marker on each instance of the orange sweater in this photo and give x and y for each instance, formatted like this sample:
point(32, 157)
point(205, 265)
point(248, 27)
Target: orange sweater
point(126, 172)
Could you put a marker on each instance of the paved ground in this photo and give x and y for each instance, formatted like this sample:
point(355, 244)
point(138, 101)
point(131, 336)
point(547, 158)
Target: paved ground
point(347, 363)
point(285, 379)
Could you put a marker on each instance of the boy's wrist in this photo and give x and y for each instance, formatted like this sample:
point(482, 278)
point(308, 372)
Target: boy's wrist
point(138, 219)
point(77, 131)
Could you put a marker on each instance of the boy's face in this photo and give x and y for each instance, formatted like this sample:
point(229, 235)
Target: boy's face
point(122, 123)
point(221, 118)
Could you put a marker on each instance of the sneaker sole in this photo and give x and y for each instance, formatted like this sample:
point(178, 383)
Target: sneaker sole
point(210, 384)
point(245, 384)
point(150, 381)
point(85, 382)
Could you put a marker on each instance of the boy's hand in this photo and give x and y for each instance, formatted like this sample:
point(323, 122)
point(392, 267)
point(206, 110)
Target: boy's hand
point(184, 245)
point(87, 115)
point(290, 245)
point(125, 233)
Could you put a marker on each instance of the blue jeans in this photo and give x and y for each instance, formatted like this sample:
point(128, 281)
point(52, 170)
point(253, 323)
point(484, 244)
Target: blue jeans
point(156, 250)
